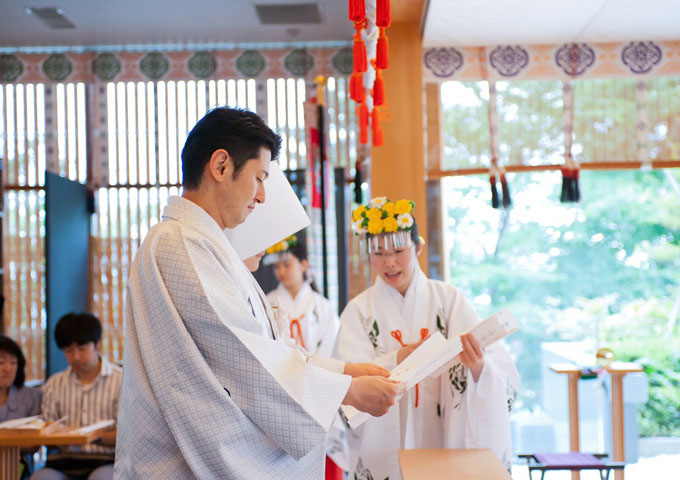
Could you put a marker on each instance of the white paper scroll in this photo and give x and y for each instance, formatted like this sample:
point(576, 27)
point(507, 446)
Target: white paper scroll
point(279, 216)
point(436, 352)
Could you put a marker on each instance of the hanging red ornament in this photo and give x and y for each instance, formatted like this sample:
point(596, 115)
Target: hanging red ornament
point(357, 92)
point(378, 89)
point(383, 13)
point(360, 63)
point(377, 129)
point(357, 10)
point(382, 60)
point(363, 123)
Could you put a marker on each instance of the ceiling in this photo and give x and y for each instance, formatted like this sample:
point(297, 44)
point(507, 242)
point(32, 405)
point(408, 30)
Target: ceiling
point(168, 22)
point(535, 22)
point(101, 23)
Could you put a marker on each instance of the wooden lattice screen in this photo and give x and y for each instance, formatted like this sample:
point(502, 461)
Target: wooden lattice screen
point(124, 140)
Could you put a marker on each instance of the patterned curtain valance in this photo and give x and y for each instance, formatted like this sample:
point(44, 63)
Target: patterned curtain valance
point(542, 62)
point(95, 67)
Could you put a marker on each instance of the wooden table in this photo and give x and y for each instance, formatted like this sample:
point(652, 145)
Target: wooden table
point(11, 442)
point(452, 464)
point(617, 370)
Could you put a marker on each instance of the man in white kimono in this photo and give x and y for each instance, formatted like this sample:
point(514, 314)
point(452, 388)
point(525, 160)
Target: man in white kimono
point(207, 390)
point(465, 405)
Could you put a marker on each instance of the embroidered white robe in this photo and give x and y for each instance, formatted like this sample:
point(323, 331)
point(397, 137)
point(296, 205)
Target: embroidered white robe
point(453, 411)
point(207, 390)
point(318, 321)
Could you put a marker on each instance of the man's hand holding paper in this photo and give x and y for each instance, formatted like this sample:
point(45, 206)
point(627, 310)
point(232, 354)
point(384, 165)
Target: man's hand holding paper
point(373, 394)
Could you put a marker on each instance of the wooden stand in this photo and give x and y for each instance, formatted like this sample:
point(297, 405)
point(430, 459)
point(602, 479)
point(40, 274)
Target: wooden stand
point(617, 370)
point(462, 464)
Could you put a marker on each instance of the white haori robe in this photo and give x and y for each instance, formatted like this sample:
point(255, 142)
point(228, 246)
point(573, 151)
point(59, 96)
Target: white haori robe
point(318, 321)
point(453, 411)
point(207, 390)
point(319, 326)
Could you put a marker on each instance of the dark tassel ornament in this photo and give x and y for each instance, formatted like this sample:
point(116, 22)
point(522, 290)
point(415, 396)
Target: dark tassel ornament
point(494, 192)
point(506, 192)
point(566, 180)
point(576, 190)
point(358, 180)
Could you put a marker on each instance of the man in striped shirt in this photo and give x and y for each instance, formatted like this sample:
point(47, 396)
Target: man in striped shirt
point(86, 392)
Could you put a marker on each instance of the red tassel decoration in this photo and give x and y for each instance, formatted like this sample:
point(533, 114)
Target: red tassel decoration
point(378, 89)
point(357, 10)
point(359, 53)
point(383, 13)
point(382, 60)
point(363, 123)
point(377, 129)
point(357, 92)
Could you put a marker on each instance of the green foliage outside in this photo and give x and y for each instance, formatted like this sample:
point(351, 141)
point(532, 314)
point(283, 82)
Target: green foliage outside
point(606, 270)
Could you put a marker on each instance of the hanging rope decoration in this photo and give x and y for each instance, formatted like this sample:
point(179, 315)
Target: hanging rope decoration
point(570, 172)
point(495, 171)
point(371, 55)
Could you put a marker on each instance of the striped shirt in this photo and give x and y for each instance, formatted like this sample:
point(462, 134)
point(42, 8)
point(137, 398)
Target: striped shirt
point(65, 395)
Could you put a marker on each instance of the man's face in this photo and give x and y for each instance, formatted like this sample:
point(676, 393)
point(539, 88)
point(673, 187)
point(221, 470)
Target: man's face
point(82, 358)
point(396, 266)
point(241, 194)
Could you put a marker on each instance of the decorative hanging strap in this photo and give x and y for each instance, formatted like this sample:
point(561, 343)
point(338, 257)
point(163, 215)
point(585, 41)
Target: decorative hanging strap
point(570, 172)
point(396, 334)
point(642, 125)
point(495, 171)
point(297, 336)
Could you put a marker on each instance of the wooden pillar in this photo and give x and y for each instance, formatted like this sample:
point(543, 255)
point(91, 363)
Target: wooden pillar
point(397, 167)
point(618, 444)
point(574, 434)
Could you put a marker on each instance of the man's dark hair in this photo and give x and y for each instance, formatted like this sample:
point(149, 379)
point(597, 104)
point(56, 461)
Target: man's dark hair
point(9, 346)
point(80, 328)
point(241, 133)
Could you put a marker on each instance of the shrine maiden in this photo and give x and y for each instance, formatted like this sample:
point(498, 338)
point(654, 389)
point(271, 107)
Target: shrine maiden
point(467, 405)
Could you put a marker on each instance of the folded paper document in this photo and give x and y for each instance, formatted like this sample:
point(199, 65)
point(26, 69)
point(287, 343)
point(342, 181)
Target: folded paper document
point(436, 352)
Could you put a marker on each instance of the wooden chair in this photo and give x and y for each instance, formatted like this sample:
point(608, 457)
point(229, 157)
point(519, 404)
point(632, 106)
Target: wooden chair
point(574, 461)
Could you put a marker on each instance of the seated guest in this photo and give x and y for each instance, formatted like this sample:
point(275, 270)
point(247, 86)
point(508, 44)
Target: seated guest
point(86, 392)
point(16, 400)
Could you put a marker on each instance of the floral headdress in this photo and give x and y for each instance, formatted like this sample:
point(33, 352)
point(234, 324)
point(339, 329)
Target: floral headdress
point(283, 246)
point(384, 224)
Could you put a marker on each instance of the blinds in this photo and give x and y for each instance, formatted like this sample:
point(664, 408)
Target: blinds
point(124, 140)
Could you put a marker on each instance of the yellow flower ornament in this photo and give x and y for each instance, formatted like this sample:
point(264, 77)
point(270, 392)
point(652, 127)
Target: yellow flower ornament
point(382, 215)
point(283, 245)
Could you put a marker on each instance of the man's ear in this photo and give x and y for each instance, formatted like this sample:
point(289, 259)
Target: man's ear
point(220, 165)
point(98, 345)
